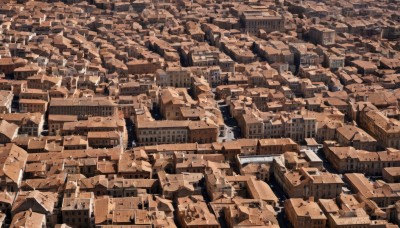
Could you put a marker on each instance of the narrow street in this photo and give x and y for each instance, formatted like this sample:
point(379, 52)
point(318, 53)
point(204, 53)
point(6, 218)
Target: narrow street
point(232, 130)
point(281, 197)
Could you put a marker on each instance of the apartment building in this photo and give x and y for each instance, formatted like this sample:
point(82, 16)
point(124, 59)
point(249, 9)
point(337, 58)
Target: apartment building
point(175, 131)
point(32, 105)
point(355, 137)
point(146, 211)
point(296, 126)
point(114, 186)
point(104, 139)
point(385, 130)
point(136, 87)
point(78, 211)
point(56, 122)
point(203, 131)
point(174, 186)
point(391, 174)
point(37, 94)
point(309, 182)
point(43, 82)
point(269, 21)
point(193, 212)
point(84, 106)
point(299, 127)
point(94, 124)
point(143, 66)
point(13, 163)
point(28, 123)
point(322, 35)
point(39, 202)
point(172, 100)
point(23, 72)
point(179, 77)
point(345, 211)
point(350, 159)
point(231, 149)
point(276, 146)
point(383, 194)
point(304, 213)
point(257, 214)
point(218, 185)
point(162, 132)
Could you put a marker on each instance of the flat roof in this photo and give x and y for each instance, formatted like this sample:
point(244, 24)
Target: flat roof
point(312, 156)
point(258, 158)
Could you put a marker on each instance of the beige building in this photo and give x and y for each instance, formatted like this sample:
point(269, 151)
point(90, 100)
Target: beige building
point(218, 185)
point(172, 100)
point(29, 123)
point(269, 21)
point(345, 213)
point(13, 161)
point(231, 149)
point(104, 139)
point(28, 218)
point(142, 66)
point(382, 193)
point(115, 186)
point(321, 35)
point(35, 94)
point(199, 165)
point(43, 82)
point(137, 87)
point(355, 137)
point(96, 124)
point(276, 146)
point(391, 174)
point(203, 131)
point(23, 72)
point(174, 186)
point(33, 105)
point(259, 189)
point(78, 211)
point(131, 167)
point(251, 125)
point(193, 212)
point(6, 98)
point(385, 130)
point(304, 213)
point(175, 131)
point(297, 126)
point(142, 211)
point(85, 106)
point(56, 122)
point(39, 202)
point(310, 182)
point(162, 132)
point(252, 215)
point(349, 159)
point(259, 166)
point(179, 77)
